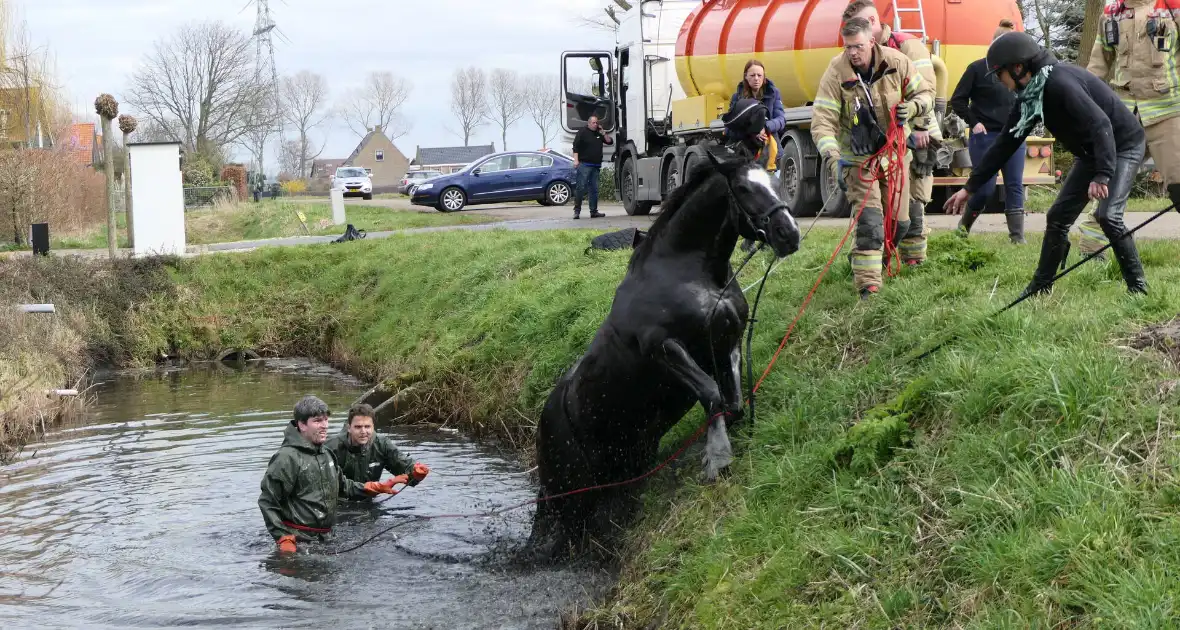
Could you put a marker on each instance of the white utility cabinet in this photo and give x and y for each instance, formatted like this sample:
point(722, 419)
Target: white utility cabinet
point(157, 198)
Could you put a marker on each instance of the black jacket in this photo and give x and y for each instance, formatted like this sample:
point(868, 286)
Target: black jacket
point(980, 98)
point(1082, 112)
point(588, 146)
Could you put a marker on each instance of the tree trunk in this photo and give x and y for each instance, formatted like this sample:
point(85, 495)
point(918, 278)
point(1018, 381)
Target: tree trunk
point(1089, 31)
point(504, 139)
point(127, 191)
point(1042, 24)
point(108, 167)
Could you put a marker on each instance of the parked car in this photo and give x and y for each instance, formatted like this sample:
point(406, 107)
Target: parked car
point(354, 181)
point(547, 178)
point(415, 177)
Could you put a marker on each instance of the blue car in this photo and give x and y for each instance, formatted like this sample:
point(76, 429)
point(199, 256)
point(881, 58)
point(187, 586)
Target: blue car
point(543, 176)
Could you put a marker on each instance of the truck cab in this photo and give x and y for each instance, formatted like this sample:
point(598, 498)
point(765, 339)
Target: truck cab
point(638, 92)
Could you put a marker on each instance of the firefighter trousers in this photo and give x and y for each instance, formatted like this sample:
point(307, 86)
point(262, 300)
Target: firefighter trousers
point(868, 252)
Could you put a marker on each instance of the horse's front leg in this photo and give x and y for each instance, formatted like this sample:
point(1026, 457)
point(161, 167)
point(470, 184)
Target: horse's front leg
point(718, 452)
point(730, 380)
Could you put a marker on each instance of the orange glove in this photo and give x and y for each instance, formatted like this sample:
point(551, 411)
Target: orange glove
point(287, 543)
point(381, 487)
point(420, 471)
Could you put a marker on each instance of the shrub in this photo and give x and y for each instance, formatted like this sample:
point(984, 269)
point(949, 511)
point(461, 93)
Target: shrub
point(198, 171)
point(294, 186)
point(235, 175)
point(607, 191)
point(38, 186)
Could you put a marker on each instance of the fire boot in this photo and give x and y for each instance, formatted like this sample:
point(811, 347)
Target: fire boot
point(1127, 256)
point(1053, 252)
point(1174, 193)
point(1015, 218)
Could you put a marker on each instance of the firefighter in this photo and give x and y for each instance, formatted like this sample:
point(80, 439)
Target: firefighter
point(853, 109)
point(1135, 52)
point(913, 243)
point(1086, 116)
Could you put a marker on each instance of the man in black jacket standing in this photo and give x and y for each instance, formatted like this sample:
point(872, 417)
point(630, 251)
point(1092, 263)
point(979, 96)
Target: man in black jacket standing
point(1085, 114)
point(588, 162)
point(983, 102)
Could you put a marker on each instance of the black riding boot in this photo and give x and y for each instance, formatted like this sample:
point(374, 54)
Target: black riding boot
point(1127, 255)
point(968, 220)
point(1015, 218)
point(1053, 252)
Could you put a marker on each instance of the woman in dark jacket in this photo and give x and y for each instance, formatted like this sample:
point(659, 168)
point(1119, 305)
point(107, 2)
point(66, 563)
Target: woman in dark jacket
point(755, 85)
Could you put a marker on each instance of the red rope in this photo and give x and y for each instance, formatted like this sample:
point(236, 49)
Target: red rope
point(894, 150)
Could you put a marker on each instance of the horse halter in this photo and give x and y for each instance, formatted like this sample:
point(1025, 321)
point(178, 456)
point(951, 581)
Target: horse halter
point(757, 222)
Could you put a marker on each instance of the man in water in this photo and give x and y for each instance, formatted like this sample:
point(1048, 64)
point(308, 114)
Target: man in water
point(303, 484)
point(362, 454)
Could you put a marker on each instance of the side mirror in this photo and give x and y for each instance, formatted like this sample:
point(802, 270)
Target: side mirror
point(477, 171)
point(596, 64)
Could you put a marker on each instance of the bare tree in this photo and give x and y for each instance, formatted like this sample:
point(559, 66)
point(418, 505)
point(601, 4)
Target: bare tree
point(541, 93)
point(1089, 30)
point(469, 100)
point(200, 85)
point(265, 123)
point(303, 99)
point(506, 93)
point(377, 104)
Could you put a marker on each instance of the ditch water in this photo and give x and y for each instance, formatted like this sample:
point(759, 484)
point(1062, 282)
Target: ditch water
point(145, 515)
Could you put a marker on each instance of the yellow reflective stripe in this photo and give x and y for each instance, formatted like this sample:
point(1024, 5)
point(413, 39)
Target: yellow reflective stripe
point(827, 142)
point(826, 104)
point(866, 261)
point(923, 63)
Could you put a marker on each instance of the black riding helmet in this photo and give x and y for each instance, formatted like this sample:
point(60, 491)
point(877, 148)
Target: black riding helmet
point(1016, 47)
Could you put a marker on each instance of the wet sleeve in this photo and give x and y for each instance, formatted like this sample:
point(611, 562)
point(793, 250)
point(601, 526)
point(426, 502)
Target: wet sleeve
point(392, 458)
point(961, 98)
point(825, 114)
point(350, 489)
point(277, 484)
point(997, 154)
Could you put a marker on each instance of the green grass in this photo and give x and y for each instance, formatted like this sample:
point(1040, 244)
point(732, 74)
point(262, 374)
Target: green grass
point(274, 219)
point(1023, 476)
point(268, 219)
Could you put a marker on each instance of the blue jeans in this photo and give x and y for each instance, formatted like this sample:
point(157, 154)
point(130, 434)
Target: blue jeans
point(1013, 171)
point(587, 180)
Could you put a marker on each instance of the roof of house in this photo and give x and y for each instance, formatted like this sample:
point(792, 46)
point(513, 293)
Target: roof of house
point(82, 142)
point(364, 141)
point(429, 156)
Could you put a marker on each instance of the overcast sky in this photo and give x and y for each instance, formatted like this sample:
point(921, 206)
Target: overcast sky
point(98, 43)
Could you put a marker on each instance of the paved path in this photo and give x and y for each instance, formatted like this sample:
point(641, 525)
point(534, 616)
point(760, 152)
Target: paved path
point(530, 217)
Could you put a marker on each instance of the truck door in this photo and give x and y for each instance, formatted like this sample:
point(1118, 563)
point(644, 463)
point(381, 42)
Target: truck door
point(588, 88)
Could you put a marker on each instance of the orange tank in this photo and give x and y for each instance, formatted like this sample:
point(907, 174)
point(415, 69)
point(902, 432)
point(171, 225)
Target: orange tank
point(796, 39)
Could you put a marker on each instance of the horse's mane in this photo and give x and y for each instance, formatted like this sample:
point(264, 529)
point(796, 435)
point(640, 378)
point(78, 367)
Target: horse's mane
point(700, 175)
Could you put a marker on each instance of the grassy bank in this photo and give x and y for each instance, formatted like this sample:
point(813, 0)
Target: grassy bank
point(1023, 476)
point(267, 219)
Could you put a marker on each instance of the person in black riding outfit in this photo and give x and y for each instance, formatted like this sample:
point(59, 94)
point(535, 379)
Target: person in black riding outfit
point(1086, 116)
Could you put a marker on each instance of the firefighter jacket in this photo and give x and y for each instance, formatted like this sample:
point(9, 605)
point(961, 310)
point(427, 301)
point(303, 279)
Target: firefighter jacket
point(1135, 52)
point(913, 48)
point(841, 91)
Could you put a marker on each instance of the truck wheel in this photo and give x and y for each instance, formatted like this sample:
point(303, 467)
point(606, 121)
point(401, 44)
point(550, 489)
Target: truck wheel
point(629, 190)
point(835, 203)
point(799, 192)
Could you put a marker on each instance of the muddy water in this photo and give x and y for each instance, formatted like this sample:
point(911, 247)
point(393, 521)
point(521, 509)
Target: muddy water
point(146, 516)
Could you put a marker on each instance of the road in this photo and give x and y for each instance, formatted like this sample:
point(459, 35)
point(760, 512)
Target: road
point(531, 216)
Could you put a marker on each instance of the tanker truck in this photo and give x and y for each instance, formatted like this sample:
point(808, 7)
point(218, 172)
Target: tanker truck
point(662, 91)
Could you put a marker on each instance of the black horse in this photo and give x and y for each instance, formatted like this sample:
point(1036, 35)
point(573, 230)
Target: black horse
point(671, 340)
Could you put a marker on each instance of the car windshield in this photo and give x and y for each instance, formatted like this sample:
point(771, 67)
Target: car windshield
point(350, 172)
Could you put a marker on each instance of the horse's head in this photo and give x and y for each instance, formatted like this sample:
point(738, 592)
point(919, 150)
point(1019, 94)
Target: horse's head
point(760, 212)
